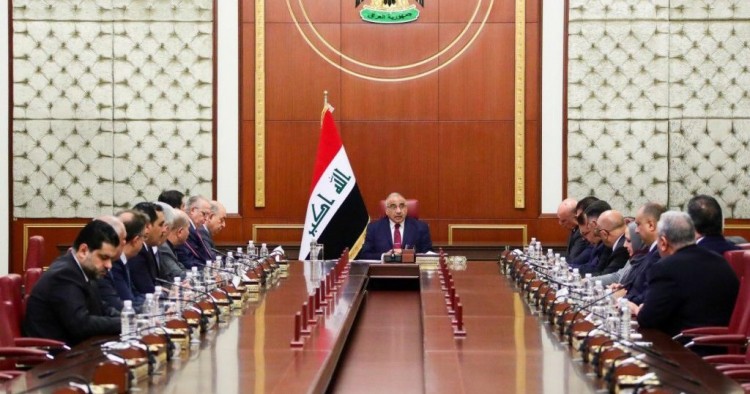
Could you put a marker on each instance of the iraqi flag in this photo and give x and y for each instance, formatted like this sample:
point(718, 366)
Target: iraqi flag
point(336, 214)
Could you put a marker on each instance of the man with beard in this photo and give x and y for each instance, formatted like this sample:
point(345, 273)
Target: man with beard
point(65, 304)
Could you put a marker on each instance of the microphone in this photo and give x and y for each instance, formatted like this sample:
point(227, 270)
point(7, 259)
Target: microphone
point(218, 252)
point(74, 378)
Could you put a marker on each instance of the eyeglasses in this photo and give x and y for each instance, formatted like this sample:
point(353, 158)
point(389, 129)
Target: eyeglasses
point(206, 213)
point(394, 206)
point(602, 232)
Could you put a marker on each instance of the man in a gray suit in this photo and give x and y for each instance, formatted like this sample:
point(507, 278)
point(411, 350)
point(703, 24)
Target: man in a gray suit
point(177, 232)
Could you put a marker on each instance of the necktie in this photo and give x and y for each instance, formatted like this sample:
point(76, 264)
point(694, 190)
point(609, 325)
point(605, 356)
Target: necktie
point(397, 236)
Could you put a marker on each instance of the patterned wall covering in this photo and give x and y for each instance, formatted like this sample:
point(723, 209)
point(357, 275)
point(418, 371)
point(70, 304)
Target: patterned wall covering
point(112, 103)
point(658, 102)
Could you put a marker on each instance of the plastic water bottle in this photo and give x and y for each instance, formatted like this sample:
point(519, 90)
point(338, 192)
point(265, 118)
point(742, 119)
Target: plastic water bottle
point(127, 321)
point(250, 248)
point(148, 309)
point(263, 250)
point(624, 319)
point(156, 310)
point(176, 294)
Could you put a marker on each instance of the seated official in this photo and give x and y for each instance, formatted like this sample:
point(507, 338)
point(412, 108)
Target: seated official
point(709, 224)
point(395, 232)
point(65, 303)
point(690, 286)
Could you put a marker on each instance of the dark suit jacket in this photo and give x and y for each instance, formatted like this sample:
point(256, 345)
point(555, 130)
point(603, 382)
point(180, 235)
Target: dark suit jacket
point(717, 243)
point(638, 288)
point(65, 307)
point(615, 259)
point(170, 267)
point(108, 293)
point(208, 239)
point(143, 271)
point(693, 287)
point(194, 252)
point(123, 284)
point(601, 252)
point(378, 239)
point(576, 244)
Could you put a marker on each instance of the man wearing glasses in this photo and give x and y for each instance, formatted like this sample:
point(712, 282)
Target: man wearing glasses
point(395, 232)
point(195, 251)
point(611, 228)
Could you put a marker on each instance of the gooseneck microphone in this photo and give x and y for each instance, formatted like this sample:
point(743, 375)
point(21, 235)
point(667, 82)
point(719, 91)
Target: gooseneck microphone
point(202, 292)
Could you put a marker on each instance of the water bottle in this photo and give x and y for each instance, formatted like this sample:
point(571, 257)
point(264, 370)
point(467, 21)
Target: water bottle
point(251, 248)
point(263, 250)
point(624, 319)
point(599, 308)
point(127, 321)
point(613, 317)
point(175, 293)
point(156, 311)
point(148, 309)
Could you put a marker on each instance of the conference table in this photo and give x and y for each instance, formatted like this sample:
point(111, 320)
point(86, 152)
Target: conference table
point(385, 329)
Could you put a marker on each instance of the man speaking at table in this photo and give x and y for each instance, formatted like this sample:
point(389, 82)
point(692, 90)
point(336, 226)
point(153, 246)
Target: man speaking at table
point(396, 231)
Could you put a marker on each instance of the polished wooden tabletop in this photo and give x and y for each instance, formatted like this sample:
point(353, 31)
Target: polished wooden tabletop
point(378, 340)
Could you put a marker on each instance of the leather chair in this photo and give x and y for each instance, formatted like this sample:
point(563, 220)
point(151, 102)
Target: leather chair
point(736, 259)
point(412, 206)
point(34, 252)
point(11, 293)
point(15, 355)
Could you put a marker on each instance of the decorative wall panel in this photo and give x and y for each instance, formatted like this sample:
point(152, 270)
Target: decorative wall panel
point(112, 103)
point(673, 73)
point(712, 157)
point(624, 162)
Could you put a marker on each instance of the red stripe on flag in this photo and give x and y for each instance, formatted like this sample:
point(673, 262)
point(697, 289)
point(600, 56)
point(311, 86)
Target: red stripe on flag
point(330, 144)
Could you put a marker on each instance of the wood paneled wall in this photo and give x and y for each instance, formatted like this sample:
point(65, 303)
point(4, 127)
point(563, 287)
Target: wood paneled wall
point(445, 139)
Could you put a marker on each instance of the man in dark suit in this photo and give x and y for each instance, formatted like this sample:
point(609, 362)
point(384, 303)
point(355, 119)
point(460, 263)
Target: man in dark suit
point(567, 214)
point(709, 224)
point(646, 219)
point(587, 222)
point(195, 251)
point(116, 286)
point(611, 228)
point(170, 267)
point(214, 224)
point(395, 232)
point(690, 286)
point(144, 267)
point(65, 303)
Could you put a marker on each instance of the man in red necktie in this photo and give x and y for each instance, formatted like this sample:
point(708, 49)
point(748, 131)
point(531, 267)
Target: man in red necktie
point(395, 232)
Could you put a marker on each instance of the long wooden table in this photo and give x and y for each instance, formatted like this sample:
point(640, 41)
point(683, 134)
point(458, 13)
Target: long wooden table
point(405, 340)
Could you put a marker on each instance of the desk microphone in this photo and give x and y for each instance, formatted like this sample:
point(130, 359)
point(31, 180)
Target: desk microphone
point(70, 378)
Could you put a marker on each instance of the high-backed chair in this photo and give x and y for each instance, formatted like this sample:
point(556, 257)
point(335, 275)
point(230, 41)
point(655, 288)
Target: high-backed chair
point(412, 206)
point(11, 293)
point(736, 260)
point(34, 252)
point(13, 355)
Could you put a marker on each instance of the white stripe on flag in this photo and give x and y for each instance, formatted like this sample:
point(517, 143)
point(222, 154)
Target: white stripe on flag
point(327, 197)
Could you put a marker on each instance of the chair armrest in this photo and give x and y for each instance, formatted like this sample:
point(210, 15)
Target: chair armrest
point(17, 352)
point(725, 359)
point(740, 374)
point(9, 374)
point(719, 340)
point(49, 345)
point(39, 342)
point(699, 331)
point(732, 367)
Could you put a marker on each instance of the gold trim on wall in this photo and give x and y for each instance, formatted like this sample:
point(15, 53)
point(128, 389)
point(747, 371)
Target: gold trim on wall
point(27, 226)
point(736, 227)
point(257, 227)
point(519, 181)
point(522, 227)
point(260, 103)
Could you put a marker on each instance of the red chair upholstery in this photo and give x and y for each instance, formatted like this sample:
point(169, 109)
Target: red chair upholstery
point(11, 292)
point(736, 259)
point(412, 207)
point(34, 252)
point(739, 322)
point(13, 355)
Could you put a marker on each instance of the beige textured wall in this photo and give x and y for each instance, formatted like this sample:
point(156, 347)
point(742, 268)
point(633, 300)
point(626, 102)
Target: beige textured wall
point(658, 102)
